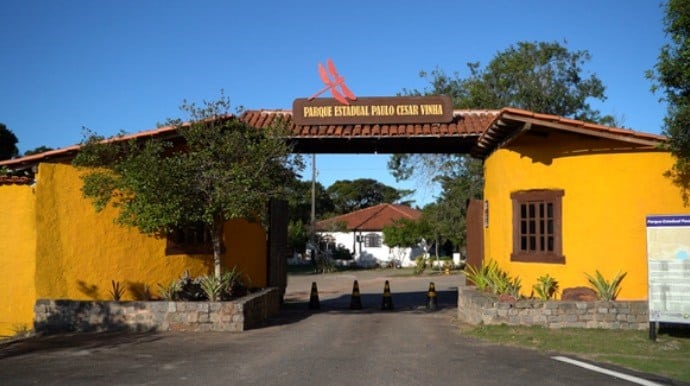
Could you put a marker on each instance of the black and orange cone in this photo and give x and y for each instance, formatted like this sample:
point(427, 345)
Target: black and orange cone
point(355, 300)
point(432, 301)
point(314, 298)
point(387, 303)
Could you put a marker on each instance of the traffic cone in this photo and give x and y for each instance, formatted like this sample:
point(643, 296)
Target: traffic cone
point(432, 301)
point(355, 300)
point(314, 298)
point(387, 303)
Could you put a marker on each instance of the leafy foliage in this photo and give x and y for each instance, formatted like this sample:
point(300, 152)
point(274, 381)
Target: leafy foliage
point(219, 169)
point(170, 291)
point(8, 143)
point(546, 287)
point(672, 75)
point(539, 76)
point(207, 287)
point(38, 150)
point(348, 196)
point(606, 290)
point(212, 287)
point(420, 264)
point(490, 277)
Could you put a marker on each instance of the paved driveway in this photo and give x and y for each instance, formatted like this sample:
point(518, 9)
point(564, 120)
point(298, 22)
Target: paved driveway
point(334, 346)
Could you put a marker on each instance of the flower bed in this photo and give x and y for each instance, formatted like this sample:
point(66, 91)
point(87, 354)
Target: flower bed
point(73, 315)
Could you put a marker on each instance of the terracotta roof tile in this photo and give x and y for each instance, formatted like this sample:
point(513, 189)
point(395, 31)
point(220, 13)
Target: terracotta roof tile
point(371, 219)
point(466, 125)
point(465, 122)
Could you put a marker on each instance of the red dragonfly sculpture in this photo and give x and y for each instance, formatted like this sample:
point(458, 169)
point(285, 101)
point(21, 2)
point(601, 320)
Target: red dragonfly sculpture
point(344, 95)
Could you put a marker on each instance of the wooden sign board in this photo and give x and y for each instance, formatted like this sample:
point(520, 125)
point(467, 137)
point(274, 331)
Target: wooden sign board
point(372, 110)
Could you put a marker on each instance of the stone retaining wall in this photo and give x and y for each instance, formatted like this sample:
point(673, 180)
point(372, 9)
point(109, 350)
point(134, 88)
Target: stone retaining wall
point(239, 315)
point(475, 307)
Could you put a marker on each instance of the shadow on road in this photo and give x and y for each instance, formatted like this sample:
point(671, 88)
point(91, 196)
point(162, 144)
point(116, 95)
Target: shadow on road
point(80, 340)
point(371, 303)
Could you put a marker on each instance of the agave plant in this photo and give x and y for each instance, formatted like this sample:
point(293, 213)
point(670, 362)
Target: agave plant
point(606, 290)
point(171, 291)
point(482, 277)
point(546, 287)
point(212, 287)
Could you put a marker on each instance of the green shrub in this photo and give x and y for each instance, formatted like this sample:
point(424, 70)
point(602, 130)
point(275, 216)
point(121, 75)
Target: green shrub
point(212, 287)
point(419, 265)
point(169, 292)
point(490, 277)
point(606, 290)
point(341, 253)
point(546, 287)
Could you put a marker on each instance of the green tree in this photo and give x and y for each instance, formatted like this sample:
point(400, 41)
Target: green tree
point(222, 170)
point(8, 143)
point(539, 76)
point(406, 233)
point(672, 75)
point(38, 150)
point(348, 196)
point(299, 201)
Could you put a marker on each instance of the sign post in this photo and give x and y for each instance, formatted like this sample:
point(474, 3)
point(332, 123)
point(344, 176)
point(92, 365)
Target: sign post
point(668, 270)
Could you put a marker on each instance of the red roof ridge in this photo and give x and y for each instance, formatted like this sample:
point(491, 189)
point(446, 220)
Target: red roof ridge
point(371, 218)
point(579, 123)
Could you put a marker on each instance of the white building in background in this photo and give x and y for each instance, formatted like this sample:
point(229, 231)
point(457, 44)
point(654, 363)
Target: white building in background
point(361, 232)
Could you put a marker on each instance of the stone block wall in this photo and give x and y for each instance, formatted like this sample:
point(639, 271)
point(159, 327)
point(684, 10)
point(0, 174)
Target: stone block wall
point(475, 307)
point(71, 315)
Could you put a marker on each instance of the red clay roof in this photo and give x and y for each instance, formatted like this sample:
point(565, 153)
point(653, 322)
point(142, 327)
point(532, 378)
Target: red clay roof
point(465, 122)
point(370, 219)
point(489, 126)
point(501, 130)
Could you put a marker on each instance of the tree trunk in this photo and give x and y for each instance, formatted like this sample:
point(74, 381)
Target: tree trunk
point(217, 240)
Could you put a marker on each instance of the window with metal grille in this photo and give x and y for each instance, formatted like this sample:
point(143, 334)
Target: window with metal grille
point(537, 226)
point(191, 239)
point(372, 240)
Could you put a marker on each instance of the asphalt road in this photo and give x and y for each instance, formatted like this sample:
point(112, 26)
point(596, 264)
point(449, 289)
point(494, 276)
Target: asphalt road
point(333, 346)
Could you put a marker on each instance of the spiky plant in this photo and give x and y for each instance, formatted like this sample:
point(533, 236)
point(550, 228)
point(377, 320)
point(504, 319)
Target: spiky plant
point(606, 290)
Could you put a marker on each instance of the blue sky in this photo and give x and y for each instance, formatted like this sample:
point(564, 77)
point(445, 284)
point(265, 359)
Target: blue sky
point(127, 65)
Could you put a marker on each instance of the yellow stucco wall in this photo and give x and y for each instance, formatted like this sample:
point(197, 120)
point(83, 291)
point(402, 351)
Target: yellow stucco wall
point(609, 190)
point(80, 251)
point(17, 258)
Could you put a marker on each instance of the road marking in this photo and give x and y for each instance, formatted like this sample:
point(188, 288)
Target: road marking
point(629, 378)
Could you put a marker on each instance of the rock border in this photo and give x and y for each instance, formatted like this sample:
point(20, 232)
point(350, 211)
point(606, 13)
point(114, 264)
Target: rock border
point(251, 311)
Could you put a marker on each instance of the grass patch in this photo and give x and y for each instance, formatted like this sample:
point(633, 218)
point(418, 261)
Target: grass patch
point(668, 356)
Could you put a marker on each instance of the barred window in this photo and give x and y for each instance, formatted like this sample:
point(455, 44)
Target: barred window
point(191, 239)
point(372, 240)
point(537, 226)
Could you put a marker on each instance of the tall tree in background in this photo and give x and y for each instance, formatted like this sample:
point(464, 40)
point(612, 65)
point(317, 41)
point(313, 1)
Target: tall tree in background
point(672, 75)
point(224, 170)
point(362, 193)
point(8, 143)
point(542, 76)
point(38, 150)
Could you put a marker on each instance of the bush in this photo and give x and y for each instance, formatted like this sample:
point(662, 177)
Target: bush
point(490, 277)
point(341, 253)
point(606, 290)
point(206, 287)
point(419, 265)
point(546, 287)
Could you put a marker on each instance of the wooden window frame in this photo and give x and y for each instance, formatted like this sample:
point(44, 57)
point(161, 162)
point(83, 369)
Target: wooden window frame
point(538, 250)
point(193, 245)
